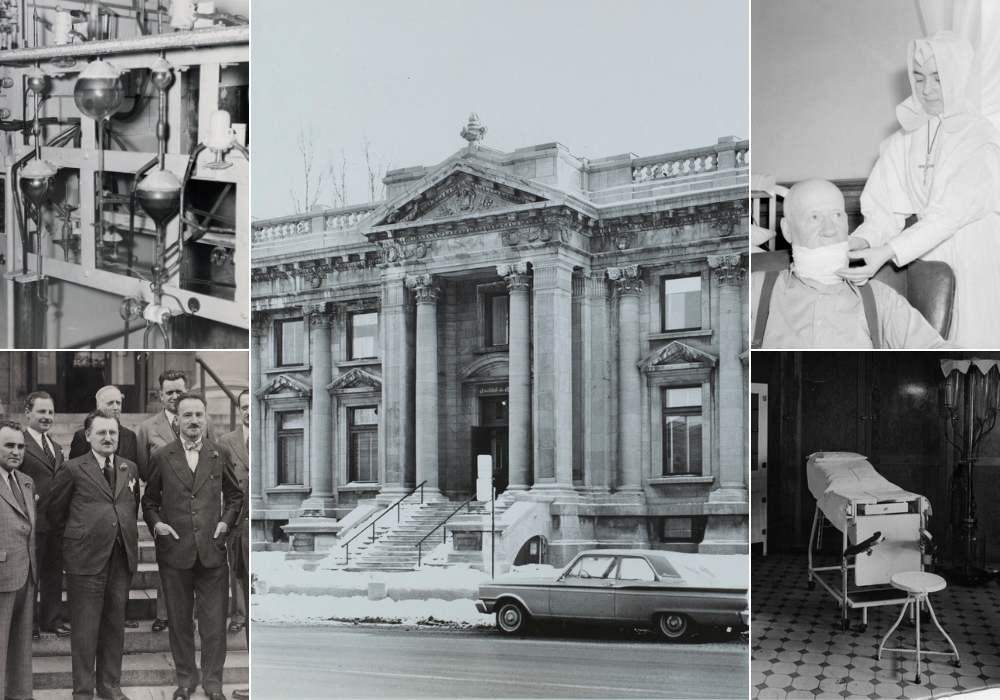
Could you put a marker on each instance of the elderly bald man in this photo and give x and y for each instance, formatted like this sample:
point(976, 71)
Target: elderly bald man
point(109, 398)
point(811, 305)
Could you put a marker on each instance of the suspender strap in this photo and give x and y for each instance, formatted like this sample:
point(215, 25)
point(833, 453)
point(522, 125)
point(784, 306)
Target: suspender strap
point(871, 314)
point(763, 308)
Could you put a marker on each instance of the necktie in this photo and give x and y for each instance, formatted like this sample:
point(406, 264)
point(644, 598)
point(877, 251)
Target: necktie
point(12, 483)
point(109, 473)
point(175, 426)
point(48, 451)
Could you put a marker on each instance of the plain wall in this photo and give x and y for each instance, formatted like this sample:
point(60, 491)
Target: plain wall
point(826, 78)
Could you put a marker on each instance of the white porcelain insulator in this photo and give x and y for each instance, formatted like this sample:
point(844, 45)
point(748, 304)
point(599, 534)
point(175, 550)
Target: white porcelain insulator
point(221, 134)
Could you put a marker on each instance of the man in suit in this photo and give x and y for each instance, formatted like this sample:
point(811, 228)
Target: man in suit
point(18, 571)
point(188, 479)
point(109, 398)
point(93, 505)
point(243, 572)
point(42, 458)
point(158, 430)
point(238, 444)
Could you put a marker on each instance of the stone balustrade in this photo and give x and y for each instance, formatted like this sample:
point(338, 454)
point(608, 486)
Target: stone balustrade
point(670, 167)
point(319, 221)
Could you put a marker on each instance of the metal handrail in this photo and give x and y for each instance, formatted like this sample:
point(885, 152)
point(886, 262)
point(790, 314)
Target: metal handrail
point(234, 401)
point(347, 544)
point(419, 544)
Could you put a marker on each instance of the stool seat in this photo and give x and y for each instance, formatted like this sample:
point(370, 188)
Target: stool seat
point(918, 582)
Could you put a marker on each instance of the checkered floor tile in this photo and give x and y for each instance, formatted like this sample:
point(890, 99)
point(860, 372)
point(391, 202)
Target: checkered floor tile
point(799, 651)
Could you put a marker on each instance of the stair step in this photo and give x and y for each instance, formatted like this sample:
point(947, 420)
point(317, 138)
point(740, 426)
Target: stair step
point(140, 640)
point(147, 552)
point(146, 669)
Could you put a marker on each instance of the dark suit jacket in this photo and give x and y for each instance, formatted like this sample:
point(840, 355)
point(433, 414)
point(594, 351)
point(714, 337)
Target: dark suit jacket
point(17, 537)
point(237, 447)
point(127, 445)
point(189, 503)
point(37, 467)
point(82, 508)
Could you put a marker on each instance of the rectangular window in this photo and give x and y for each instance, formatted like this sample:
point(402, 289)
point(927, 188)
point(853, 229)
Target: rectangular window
point(363, 436)
point(290, 339)
point(681, 303)
point(291, 455)
point(497, 319)
point(683, 529)
point(682, 431)
point(363, 329)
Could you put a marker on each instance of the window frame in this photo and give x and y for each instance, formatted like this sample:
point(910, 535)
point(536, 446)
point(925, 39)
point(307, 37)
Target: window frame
point(488, 327)
point(280, 434)
point(684, 411)
point(350, 334)
point(279, 342)
point(368, 429)
point(702, 312)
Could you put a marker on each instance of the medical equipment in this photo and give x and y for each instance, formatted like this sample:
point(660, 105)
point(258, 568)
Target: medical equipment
point(883, 529)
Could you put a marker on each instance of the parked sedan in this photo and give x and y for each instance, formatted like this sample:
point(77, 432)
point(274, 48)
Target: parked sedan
point(669, 591)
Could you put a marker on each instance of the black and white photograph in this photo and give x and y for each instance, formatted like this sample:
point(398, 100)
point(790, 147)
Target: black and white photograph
point(124, 570)
point(500, 350)
point(877, 174)
point(126, 179)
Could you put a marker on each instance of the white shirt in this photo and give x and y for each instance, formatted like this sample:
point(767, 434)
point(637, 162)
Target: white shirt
point(102, 460)
point(246, 433)
point(40, 438)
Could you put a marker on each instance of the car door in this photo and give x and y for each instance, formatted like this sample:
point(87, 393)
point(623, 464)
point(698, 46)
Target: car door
point(637, 590)
point(586, 591)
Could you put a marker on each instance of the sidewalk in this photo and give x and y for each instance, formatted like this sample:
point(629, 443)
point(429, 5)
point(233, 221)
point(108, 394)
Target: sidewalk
point(287, 592)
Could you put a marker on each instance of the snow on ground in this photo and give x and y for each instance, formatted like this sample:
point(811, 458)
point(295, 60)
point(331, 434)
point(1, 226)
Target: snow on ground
point(295, 608)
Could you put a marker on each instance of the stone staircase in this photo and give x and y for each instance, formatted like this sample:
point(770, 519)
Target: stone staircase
point(147, 660)
point(395, 545)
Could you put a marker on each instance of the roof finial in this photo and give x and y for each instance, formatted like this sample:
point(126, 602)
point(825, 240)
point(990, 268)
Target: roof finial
point(473, 132)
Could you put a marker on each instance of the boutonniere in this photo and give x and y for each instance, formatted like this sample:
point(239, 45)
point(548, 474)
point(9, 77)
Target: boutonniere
point(122, 467)
point(36, 498)
point(214, 454)
point(131, 484)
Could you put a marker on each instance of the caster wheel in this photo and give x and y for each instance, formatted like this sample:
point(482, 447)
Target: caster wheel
point(918, 680)
point(845, 624)
point(862, 627)
point(957, 663)
point(811, 585)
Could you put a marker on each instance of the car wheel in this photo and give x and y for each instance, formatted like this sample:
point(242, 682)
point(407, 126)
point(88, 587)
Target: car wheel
point(673, 625)
point(511, 618)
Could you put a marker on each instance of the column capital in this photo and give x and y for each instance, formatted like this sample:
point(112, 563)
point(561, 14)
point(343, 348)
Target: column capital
point(425, 287)
point(260, 323)
point(319, 317)
point(628, 280)
point(516, 276)
point(729, 268)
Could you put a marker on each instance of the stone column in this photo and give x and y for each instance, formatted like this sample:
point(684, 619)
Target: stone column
point(519, 374)
point(321, 501)
point(426, 291)
point(260, 324)
point(396, 424)
point(628, 287)
point(730, 274)
point(727, 529)
point(552, 401)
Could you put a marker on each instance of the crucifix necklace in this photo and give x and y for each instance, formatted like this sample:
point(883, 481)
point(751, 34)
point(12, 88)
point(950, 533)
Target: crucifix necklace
point(930, 144)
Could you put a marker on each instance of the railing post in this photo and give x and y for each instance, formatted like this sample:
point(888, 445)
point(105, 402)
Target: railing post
point(348, 548)
point(421, 494)
point(420, 551)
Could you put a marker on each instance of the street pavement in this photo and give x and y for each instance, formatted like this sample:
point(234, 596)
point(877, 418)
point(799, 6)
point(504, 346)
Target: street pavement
point(554, 662)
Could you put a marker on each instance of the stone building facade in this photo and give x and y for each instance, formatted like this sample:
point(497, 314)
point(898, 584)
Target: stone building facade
point(581, 322)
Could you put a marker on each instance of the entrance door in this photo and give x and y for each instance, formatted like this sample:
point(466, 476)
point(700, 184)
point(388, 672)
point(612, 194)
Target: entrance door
point(492, 441)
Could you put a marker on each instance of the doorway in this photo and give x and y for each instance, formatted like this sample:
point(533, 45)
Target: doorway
point(490, 438)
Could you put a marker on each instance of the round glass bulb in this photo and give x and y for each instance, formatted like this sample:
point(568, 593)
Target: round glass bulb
point(98, 91)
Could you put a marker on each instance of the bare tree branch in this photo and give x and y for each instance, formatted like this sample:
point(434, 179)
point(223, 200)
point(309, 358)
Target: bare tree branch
point(307, 147)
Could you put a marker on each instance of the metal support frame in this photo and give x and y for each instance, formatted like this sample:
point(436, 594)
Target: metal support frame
point(216, 47)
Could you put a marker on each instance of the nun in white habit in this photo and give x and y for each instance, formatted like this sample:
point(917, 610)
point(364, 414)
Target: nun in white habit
point(943, 166)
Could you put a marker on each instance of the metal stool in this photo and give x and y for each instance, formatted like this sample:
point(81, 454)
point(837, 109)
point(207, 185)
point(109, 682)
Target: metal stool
point(918, 584)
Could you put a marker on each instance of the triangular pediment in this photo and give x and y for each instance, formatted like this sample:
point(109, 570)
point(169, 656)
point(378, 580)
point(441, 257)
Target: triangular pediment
point(677, 353)
point(459, 189)
point(284, 384)
point(355, 378)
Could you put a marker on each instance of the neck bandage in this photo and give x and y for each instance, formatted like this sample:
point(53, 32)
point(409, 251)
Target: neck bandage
point(820, 264)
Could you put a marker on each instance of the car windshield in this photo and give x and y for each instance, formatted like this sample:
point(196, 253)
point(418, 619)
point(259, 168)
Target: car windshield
point(591, 567)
